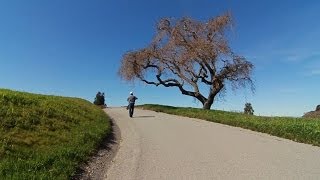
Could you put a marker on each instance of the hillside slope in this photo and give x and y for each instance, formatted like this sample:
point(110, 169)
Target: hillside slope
point(47, 137)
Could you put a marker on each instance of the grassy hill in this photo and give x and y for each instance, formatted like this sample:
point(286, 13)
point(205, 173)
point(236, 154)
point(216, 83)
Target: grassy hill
point(298, 129)
point(47, 137)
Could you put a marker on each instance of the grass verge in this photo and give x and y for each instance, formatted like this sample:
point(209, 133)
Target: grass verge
point(47, 137)
point(297, 129)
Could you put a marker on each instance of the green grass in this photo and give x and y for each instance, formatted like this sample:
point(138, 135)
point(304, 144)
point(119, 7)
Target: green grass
point(297, 129)
point(47, 137)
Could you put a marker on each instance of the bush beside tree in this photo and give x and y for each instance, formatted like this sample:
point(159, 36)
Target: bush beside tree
point(248, 109)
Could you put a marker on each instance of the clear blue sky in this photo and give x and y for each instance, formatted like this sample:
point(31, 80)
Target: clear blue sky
point(73, 48)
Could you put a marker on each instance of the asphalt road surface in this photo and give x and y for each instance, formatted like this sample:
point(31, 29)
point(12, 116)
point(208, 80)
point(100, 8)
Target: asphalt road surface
point(161, 146)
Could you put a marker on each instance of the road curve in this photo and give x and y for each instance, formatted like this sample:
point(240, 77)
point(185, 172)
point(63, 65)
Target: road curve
point(161, 146)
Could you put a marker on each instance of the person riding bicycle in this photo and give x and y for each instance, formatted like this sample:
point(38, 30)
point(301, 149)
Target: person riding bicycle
point(131, 100)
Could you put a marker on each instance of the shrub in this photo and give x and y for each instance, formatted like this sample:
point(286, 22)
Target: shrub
point(99, 100)
point(248, 109)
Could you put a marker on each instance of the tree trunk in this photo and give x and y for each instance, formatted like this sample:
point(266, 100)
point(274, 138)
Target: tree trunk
point(208, 103)
point(214, 90)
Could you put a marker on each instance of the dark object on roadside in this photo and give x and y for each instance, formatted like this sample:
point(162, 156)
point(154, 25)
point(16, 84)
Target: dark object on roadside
point(313, 114)
point(99, 100)
point(248, 109)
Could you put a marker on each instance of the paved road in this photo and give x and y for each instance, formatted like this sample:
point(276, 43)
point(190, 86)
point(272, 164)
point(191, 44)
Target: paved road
point(160, 146)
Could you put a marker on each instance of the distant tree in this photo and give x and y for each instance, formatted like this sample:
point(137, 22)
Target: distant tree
point(248, 109)
point(318, 108)
point(99, 99)
point(186, 53)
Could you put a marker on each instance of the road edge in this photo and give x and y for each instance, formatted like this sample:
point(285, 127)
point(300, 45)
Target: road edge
point(99, 163)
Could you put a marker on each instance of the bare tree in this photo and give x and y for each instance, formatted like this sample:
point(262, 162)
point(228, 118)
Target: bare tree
point(186, 53)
